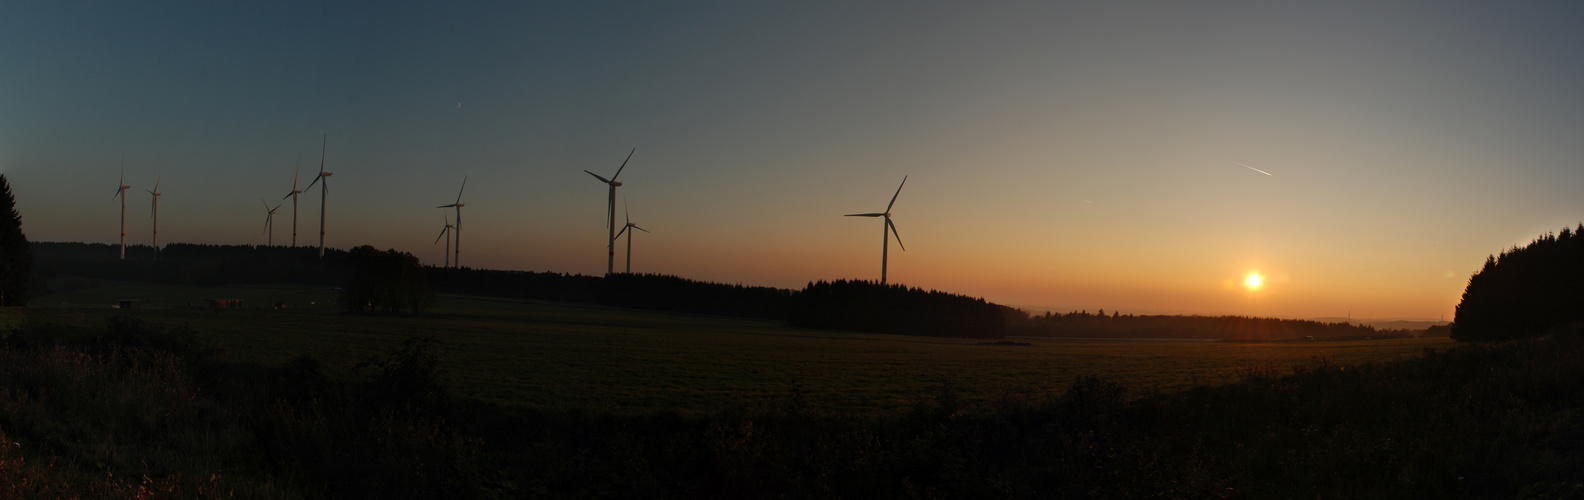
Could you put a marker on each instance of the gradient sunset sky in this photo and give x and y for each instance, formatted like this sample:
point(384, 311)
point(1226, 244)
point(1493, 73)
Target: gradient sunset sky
point(1075, 156)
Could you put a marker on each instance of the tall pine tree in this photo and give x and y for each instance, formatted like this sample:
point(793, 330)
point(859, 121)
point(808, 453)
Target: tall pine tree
point(16, 262)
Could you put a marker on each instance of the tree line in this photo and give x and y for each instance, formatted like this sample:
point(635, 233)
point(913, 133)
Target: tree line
point(1525, 292)
point(191, 264)
point(1083, 324)
point(882, 308)
point(390, 281)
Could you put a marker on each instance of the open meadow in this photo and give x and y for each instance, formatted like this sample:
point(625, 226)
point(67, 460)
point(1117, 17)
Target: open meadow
point(561, 357)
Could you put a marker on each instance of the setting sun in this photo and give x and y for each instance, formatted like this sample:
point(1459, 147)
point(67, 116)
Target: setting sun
point(1253, 281)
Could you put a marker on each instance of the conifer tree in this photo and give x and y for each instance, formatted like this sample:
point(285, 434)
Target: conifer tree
point(16, 262)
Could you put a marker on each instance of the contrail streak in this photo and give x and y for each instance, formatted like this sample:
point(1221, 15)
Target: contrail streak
point(1252, 168)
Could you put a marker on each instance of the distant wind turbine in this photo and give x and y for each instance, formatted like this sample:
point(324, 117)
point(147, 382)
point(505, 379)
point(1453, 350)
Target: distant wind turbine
point(625, 229)
point(155, 212)
point(443, 233)
point(293, 195)
point(458, 234)
point(121, 193)
point(269, 222)
point(610, 214)
point(886, 242)
point(323, 190)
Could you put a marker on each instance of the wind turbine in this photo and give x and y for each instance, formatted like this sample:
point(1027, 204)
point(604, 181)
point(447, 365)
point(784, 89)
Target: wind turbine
point(155, 212)
point(886, 242)
point(293, 195)
point(443, 233)
point(323, 189)
point(610, 214)
point(629, 225)
point(458, 226)
point(121, 193)
point(269, 222)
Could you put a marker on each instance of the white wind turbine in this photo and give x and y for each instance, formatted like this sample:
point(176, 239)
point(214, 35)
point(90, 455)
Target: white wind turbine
point(458, 227)
point(269, 222)
point(443, 233)
point(887, 231)
point(625, 229)
point(610, 214)
point(121, 193)
point(323, 190)
point(293, 195)
point(155, 212)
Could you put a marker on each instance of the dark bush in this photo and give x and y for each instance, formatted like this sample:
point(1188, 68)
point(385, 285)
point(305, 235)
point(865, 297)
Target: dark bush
point(408, 378)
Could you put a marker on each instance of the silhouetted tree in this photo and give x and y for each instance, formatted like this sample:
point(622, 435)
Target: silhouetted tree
point(1525, 291)
point(386, 282)
point(16, 262)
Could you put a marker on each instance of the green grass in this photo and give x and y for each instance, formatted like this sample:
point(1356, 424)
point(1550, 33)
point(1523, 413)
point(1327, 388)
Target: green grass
point(560, 356)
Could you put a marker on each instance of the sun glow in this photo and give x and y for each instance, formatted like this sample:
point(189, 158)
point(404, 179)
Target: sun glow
point(1253, 281)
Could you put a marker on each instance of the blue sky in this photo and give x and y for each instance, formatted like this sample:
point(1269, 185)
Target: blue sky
point(1069, 156)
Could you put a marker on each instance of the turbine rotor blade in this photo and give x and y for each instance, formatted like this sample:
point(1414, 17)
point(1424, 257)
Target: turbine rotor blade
point(315, 181)
point(624, 164)
point(446, 206)
point(442, 233)
point(459, 191)
point(898, 192)
point(640, 229)
point(596, 176)
point(619, 233)
point(322, 148)
point(894, 233)
point(864, 215)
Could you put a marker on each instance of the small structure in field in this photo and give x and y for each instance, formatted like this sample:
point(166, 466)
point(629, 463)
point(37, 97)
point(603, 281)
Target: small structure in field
point(218, 304)
point(127, 304)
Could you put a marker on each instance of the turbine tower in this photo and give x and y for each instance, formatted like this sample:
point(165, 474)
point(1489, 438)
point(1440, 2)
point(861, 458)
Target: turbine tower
point(886, 242)
point(323, 190)
point(121, 193)
point(458, 205)
point(610, 214)
point(269, 222)
point(443, 233)
point(293, 195)
point(625, 229)
point(155, 212)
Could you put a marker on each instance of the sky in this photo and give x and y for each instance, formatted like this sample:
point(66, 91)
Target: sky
point(1144, 157)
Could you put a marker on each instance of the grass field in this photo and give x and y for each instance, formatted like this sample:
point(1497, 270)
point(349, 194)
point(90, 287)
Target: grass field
point(561, 356)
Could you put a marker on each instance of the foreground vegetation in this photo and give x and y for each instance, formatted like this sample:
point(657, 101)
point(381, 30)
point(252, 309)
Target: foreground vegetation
point(131, 408)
